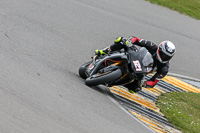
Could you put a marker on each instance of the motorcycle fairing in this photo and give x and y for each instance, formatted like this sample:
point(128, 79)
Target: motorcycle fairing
point(141, 61)
point(103, 62)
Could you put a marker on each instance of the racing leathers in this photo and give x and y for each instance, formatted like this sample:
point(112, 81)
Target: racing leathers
point(162, 68)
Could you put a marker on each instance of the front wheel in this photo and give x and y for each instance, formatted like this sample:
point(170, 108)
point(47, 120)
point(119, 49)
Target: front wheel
point(101, 78)
point(83, 68)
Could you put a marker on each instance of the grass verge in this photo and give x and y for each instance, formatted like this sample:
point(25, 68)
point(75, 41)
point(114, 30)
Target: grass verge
point(188, 7)
point(182, 110)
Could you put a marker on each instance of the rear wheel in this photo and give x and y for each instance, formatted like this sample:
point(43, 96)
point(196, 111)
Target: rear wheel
point(101, 78)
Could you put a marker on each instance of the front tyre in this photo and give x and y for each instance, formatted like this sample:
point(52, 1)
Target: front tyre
point(101, 78)
point(83, 68)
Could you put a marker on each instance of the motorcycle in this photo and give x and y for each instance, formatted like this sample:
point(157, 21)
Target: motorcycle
point(118, 67)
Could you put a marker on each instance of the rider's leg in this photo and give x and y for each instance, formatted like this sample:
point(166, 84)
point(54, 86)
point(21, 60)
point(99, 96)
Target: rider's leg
point(135, 86)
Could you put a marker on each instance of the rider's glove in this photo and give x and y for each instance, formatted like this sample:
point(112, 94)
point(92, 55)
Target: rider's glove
point(135, 40)
point(150, 84)
point(100, 52)
point(120, 40)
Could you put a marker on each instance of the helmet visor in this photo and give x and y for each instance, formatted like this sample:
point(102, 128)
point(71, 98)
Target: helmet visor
point(163, 56)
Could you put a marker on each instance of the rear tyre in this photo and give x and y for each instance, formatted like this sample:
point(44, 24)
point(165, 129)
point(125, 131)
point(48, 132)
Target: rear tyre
point(101, 78)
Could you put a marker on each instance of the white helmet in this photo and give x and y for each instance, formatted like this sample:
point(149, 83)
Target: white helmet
point(165, 51)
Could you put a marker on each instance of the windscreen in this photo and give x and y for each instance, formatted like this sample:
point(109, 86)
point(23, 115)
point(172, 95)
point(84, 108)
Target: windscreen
point(147, 60)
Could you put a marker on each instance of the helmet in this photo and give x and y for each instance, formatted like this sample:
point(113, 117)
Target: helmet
point(165, 51)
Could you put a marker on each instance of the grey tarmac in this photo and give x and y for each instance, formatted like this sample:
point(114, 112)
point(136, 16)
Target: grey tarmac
point(43, 43)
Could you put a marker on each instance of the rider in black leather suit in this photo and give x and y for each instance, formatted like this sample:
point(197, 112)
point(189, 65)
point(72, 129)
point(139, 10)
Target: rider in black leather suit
point(161, 53)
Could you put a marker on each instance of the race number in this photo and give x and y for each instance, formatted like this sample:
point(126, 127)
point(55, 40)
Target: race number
point(137, 65)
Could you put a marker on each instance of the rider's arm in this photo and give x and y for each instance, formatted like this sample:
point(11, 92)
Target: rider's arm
point(150, 46)
point(119, 43)
point(162, 70)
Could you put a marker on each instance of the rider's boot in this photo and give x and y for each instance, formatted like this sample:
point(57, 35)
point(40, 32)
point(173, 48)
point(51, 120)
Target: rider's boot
point(102, 52)
point(134, 86)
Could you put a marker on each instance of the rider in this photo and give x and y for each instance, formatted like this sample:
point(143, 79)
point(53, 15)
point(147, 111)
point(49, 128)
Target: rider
point(161, 54)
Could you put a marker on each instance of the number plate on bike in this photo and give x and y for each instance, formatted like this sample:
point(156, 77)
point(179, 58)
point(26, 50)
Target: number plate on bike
point(137, 65)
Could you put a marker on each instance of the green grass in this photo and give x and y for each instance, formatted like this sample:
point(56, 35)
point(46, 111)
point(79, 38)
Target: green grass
point(188, 7)
point(182, 110)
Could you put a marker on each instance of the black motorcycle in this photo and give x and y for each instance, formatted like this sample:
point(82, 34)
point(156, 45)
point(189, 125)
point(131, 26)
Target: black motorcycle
point(117, 68)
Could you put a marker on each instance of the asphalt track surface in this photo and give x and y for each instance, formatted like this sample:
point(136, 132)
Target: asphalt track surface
point(43, 43)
